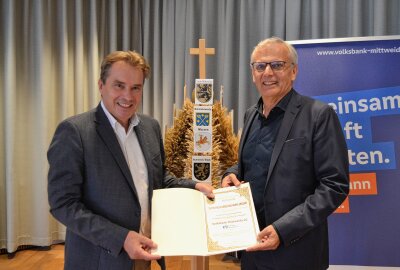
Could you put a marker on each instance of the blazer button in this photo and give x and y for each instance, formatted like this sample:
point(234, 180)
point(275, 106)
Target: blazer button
point(294, 241)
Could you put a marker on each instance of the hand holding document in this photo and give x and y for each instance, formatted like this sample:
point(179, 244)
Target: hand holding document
point(185, 222)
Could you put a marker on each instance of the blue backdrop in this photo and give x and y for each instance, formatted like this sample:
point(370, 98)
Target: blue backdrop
point(361, 80)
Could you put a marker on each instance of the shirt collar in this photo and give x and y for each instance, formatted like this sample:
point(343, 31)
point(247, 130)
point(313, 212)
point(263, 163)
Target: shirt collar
point(282, 104)
point(134, 121)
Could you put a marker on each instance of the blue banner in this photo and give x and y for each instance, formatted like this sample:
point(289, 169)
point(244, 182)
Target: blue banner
point(360, 79)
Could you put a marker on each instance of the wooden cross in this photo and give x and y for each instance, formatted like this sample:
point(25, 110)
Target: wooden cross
point(202, 51)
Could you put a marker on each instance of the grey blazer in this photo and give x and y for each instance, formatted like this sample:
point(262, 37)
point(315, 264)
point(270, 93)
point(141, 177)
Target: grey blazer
point(91, 191)
point(307, 180)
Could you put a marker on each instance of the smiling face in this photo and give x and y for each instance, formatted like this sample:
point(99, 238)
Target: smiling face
point(122, 91)
point(273, 84)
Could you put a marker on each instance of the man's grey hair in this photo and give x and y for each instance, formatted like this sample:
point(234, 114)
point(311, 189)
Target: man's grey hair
point(292, 50)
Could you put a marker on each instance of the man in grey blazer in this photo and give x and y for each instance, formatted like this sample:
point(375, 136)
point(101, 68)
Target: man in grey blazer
point(293, 153)
point(104, 166)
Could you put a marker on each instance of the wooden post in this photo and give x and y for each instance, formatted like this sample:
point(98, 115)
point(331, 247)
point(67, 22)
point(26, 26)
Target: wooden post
point(165, 131)
point(231, 115)
point(221, 96)
point(200, 263)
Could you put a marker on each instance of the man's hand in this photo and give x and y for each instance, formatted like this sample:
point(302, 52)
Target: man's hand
point(231, 180)
point(206, 189)
point(269, 240)
point(138, 247)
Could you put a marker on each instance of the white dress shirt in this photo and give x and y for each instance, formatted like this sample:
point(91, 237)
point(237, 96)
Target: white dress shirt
point(137, 165)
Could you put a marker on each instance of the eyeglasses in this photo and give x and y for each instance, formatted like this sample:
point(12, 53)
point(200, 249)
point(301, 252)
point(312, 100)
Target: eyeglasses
point(275, 65)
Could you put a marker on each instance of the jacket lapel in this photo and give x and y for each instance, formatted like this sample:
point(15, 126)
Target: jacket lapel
point(287, 122)
point(145, 145)
point(249, 117)
point(106, 132)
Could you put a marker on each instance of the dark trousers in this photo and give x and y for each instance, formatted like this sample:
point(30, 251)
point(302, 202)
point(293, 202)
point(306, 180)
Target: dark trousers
point(257, 260)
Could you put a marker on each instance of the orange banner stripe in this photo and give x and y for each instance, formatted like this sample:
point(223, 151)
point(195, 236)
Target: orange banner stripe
point(363, 184)
point(344, 208)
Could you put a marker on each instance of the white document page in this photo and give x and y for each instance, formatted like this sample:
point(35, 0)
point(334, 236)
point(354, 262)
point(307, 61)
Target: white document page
point(186, 222)
point(178, 222)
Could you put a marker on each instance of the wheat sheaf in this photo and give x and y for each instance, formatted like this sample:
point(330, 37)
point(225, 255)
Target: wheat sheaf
point(179, 144)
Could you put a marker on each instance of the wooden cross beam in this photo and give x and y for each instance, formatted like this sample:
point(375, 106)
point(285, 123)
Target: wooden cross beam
point(202, 51)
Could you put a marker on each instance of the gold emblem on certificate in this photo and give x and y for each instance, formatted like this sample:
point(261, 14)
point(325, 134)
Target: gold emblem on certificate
point(201, 168)
point(204, 91)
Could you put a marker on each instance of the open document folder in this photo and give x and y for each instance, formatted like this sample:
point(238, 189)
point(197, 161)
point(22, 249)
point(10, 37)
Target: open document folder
point(185, 222)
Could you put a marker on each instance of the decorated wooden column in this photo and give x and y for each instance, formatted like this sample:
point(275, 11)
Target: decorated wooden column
point(202, 131)
point(201, 144)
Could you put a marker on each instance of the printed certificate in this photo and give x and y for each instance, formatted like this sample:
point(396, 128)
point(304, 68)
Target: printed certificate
point(185, 222)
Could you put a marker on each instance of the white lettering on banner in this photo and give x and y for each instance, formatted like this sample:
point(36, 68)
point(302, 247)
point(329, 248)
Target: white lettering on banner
point(363, 158)
point(351, 126)
point(358, 51)
point(365, 105)
point(360, 185)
